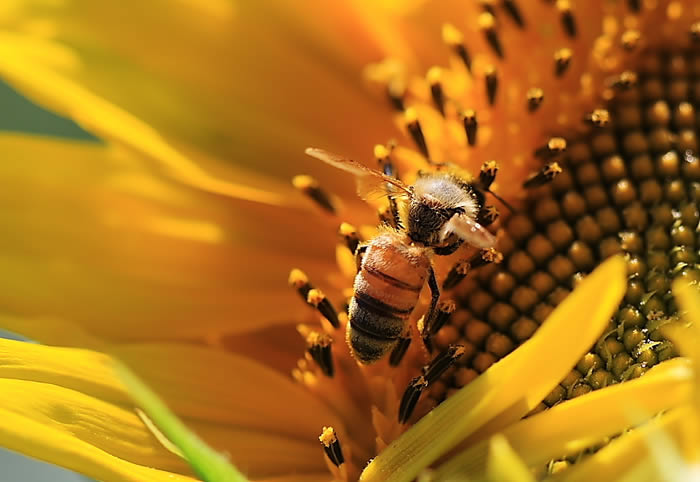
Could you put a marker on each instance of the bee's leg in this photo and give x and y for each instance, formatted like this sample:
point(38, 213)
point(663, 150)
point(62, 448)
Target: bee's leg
point(359, 253)
point(399, 350)
point(449, 249)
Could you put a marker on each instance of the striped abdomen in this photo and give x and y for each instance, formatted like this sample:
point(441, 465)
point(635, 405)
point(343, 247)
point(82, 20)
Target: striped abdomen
point(387, 288)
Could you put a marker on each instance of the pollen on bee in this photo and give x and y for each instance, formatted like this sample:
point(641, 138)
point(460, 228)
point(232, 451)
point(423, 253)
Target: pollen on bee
point(331, 445)
point(311, 188)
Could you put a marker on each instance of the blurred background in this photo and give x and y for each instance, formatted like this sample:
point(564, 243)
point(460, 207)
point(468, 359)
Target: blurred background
point(18, 114)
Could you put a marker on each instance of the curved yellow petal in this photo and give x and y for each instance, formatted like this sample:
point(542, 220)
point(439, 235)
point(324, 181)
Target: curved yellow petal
point(137, 256)
point(225, 396)
point(82, 433)
point(512, 386)
point(633, 450)
point(193, 75)
point(579, 423)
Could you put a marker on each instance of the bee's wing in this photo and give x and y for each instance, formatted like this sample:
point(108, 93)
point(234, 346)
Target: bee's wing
point(370, 183)
point(468, 229)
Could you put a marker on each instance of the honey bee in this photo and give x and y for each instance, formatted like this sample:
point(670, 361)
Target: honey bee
point(441, 212)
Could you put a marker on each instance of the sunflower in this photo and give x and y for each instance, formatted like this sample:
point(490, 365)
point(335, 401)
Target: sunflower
point(550, 355)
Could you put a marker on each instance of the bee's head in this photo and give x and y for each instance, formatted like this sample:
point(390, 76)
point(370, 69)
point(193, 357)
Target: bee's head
point(426, 219)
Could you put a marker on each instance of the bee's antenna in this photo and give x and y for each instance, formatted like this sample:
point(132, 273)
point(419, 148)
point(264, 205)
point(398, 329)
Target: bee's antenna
point(503, 201)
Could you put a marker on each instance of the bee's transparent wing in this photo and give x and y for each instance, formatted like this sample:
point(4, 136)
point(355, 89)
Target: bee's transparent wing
point(371, 184)
point(466, 227)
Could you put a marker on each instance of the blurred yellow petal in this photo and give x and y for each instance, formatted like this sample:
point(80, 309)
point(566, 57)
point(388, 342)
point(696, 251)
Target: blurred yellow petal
point(580, 423)
point(100, 225)
point(187, 95)
point(514, 385)
point(504, 464)
point(82, 433)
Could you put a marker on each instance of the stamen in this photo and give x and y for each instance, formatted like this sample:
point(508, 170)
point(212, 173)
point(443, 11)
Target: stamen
point(630, 39)
point(319, 347)
point(455, 40)
point(554, 147)
point(567, 17)
point(625, 80)
point(442, 362)
point(695, 32)
point(545, 175)
point(488, 6)
point(488, 215)
point(491, 77)
point(444, 310)
point(535, 96)
point(410, 397)
point(486, 256)
point(487, 24)
point(331, 445)
point(310, 187)
point(300, 282)
point(635, 5)
point(396, 91)
point(456, 275)
point(598, 118)
point(562, 60)
point(318, 300)
point(434, 79)
point(512, 9)
point(416, 131)
point(349, 234)
point(399, 351)
point(470, 125)
point(488, 172)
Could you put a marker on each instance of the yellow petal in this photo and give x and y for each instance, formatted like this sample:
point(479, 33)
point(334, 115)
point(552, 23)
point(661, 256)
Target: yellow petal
point(193, 77)
point(513, 385)
point(504, 464)
point(229, 399)
point(81, 433)
point(579, 423)
point(633, 449)
point(143, 258)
